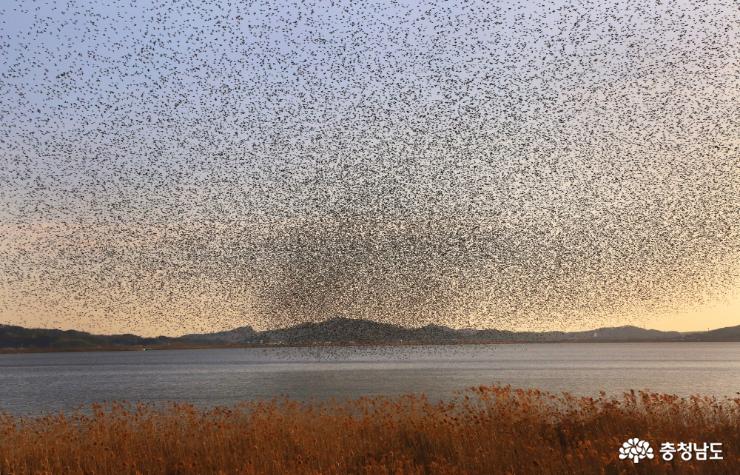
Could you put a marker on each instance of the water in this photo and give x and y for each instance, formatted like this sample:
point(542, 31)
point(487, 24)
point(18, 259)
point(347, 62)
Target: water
point(44, 382)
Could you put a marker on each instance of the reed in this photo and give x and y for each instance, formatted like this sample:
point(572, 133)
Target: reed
point(486, 430)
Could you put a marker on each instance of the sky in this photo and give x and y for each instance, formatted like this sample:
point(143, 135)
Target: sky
point(188, 166)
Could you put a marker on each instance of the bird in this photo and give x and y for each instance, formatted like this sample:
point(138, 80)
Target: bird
point(190, 166)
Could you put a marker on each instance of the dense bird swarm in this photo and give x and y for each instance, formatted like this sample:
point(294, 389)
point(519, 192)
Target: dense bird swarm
point(197, 165)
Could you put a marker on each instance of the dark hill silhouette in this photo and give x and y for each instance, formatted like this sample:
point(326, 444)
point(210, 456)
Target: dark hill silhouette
point(49, 339)
point(720, 334)
point(237, 335)
point(338, 330)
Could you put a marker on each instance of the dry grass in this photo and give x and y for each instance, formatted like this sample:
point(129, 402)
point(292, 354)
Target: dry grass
point(491, 430)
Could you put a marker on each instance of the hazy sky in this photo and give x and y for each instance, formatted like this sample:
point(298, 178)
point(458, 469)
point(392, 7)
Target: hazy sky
point(170, 167)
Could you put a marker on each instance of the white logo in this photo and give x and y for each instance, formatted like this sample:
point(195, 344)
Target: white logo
point(636, 450)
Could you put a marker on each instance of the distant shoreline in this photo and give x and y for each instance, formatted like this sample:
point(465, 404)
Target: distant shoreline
point(335, 332)
point(6, 351)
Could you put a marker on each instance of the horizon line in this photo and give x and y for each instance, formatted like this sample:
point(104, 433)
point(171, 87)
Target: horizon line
point(371, 321)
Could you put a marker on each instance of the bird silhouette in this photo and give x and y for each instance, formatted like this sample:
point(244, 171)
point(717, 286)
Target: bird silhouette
point(189, 166)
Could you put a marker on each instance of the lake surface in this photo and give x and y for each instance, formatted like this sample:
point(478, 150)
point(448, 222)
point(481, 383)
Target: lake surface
point(44, 382)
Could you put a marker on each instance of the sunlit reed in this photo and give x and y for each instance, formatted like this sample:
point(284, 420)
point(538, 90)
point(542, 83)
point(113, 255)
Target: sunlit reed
point(483, 430)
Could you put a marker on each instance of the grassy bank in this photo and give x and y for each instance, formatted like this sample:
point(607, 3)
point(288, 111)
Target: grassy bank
point(487, 430)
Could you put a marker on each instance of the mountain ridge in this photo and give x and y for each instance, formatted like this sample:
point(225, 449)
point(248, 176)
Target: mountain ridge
point(337, 331)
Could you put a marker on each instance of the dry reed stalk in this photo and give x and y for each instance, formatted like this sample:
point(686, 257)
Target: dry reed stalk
point(486, 430)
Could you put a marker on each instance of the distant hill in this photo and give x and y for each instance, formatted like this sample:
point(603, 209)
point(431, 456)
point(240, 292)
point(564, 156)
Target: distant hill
point(43, 339)
point(336, 331)
point(630, 333)
point(345, 330)
point(237, 335)
point(720, 334)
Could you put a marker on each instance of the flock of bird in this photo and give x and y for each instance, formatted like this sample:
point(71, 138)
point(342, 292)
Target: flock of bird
point(188, 166)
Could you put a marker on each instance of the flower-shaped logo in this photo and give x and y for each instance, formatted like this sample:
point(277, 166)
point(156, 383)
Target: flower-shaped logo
point(636, 450)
